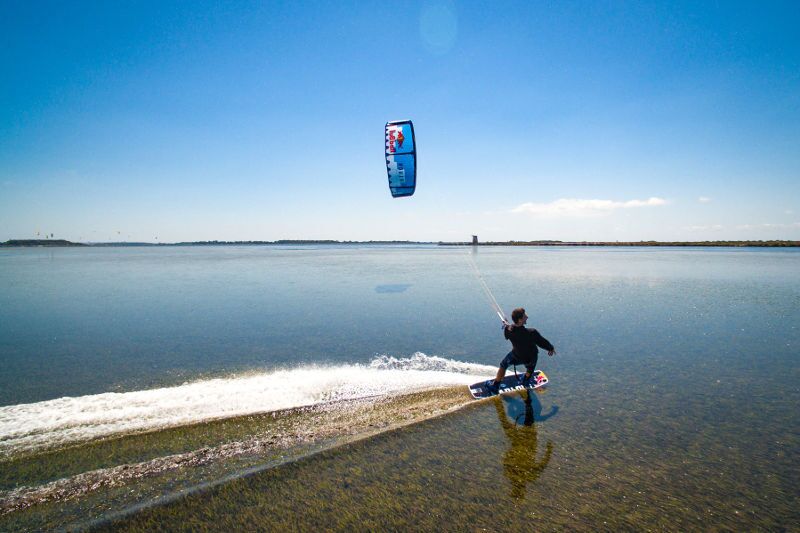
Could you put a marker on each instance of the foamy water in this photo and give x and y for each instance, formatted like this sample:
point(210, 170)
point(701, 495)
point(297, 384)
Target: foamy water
point(65, 421)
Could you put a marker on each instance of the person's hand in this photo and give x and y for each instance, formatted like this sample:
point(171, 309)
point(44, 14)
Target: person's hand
point(552, 352)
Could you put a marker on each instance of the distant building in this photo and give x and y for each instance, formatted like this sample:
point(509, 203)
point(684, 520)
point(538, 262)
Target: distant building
point(474, 240)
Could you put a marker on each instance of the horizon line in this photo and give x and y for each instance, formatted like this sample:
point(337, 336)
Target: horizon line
point(538, 242)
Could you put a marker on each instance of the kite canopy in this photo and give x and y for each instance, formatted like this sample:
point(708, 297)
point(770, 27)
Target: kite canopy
point(401, 157)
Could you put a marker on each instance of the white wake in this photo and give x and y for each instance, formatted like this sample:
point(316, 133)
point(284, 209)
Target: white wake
point(65, 421)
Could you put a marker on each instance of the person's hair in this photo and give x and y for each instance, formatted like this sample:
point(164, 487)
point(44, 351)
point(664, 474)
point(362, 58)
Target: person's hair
point(517, 313)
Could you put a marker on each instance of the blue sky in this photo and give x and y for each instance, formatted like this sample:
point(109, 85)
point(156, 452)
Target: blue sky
point(534, 120)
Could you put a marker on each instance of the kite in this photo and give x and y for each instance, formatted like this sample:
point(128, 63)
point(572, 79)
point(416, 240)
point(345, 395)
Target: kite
point(401, 158)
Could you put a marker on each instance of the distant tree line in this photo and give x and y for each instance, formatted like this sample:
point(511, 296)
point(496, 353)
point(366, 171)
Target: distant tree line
point(40, 242)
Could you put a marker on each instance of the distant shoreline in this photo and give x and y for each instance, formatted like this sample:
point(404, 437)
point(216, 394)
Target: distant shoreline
point(22, 243)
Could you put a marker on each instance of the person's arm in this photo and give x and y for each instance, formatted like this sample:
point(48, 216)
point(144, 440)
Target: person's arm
point(507, 331)
point(543, 343)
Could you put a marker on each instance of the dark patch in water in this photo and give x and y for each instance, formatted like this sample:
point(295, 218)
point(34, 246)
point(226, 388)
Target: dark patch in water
point(391, 288)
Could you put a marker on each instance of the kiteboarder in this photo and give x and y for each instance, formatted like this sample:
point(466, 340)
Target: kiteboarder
point(524, 342)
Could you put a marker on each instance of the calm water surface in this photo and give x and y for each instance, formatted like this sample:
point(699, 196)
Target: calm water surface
point(672, 404)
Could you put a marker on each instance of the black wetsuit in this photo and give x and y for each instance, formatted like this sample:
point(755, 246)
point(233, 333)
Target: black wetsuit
point(524, 342)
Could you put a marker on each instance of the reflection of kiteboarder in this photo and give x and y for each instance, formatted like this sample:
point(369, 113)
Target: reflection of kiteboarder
point(526, 411)
point(519, 463)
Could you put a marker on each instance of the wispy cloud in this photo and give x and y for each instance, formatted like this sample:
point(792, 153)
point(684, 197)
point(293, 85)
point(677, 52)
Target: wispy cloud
point(704, 199)
point(576, 207)
point(712, 227)
point(769, 226)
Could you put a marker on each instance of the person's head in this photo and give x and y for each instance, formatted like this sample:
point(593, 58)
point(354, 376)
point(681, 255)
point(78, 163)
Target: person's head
point(518, 316)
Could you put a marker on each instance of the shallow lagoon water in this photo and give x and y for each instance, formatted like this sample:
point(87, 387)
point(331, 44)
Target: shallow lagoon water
point(672, 403)
point(476, 470)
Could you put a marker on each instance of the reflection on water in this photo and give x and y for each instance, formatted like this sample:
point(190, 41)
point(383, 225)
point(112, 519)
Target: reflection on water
point(520, 465)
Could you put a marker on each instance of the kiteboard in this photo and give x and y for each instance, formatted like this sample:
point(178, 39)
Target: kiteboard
point(510, 383)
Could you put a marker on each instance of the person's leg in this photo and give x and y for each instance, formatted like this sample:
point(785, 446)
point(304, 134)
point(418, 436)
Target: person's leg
point(494, 385)
point(507, 361)
point(527, 376)
point(529, 369)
